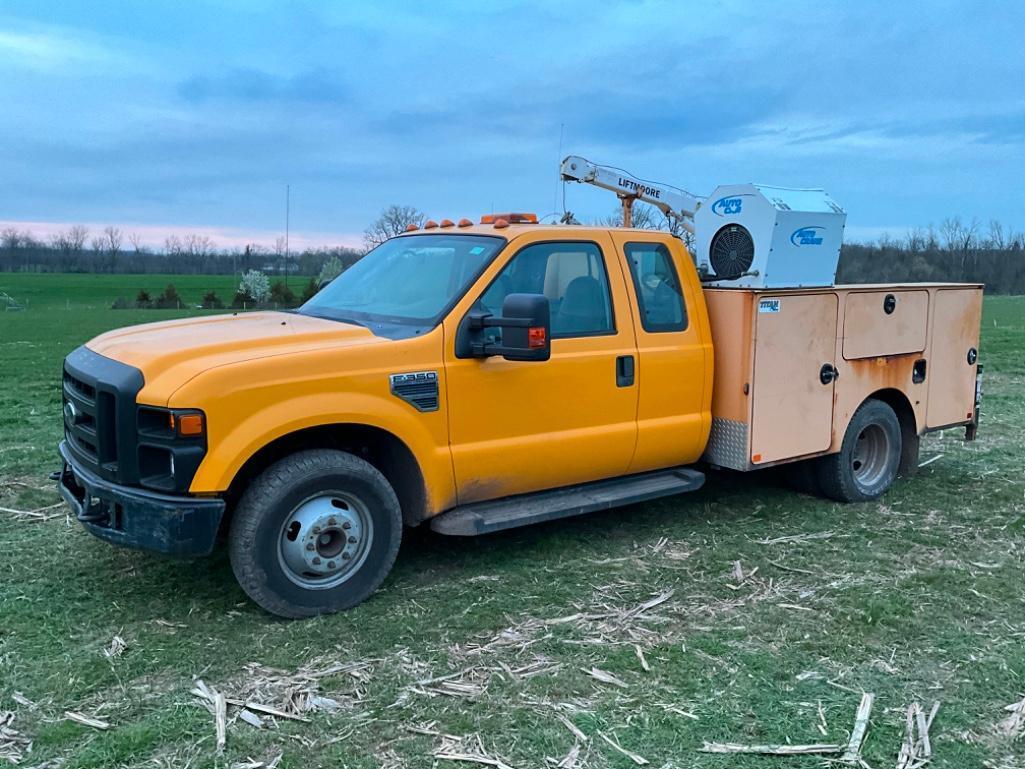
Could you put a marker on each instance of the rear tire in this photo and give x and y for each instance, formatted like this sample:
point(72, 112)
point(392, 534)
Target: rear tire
point(869, 458)
point(316, 532)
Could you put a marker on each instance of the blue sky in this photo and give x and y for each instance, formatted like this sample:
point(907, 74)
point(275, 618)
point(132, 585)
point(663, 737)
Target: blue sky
point(169, 117)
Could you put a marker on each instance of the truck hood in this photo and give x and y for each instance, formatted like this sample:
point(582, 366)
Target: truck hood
point(172, 352)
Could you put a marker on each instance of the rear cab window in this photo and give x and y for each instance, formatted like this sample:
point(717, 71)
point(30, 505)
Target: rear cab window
point(657, 286)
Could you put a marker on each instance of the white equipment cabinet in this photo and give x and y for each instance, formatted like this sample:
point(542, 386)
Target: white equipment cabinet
point(756, 236)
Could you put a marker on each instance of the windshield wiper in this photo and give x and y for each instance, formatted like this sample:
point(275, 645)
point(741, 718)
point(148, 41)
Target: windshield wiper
point(336, 318)
point(353, 321)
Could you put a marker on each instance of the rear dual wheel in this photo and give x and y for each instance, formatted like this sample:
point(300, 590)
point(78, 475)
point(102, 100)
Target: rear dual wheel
point(316, 532)
point(869, 458)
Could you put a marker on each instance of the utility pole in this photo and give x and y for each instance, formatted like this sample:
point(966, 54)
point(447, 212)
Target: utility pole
point(288, 200)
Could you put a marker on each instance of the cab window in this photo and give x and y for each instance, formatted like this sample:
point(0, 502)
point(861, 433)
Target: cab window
point(571, 275)
point(658, 287)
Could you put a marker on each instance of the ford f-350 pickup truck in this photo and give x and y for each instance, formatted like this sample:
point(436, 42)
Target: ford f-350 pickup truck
point(478, 377)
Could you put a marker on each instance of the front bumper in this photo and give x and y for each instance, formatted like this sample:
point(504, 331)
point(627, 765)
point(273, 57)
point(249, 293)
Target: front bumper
point(133, 517)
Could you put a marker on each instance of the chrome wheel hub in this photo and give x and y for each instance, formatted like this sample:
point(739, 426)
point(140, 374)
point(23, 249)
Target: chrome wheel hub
point(871, 456)
point(325, 540)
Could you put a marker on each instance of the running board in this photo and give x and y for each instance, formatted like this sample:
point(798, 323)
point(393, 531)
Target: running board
point(525, 509)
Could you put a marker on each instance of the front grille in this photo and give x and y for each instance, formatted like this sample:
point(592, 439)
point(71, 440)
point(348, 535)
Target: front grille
point(81, 418)
point(99, 397)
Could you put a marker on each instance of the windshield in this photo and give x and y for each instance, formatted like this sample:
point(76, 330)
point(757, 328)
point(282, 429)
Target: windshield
point(411, 280)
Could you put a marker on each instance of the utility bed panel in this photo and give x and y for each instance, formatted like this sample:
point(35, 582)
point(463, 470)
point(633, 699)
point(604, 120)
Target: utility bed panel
point(885, 323)
point(793, 365)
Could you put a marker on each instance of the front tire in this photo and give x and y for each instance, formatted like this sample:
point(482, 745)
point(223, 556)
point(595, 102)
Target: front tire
point(869, 458)
point(316, 532)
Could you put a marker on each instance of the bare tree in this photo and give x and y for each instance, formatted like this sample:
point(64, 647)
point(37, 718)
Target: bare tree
point(76, 237)
point(137, 245)
point(392, 221)
point(997, 239)
point(112, 238)
point(198, 245)
point(173, 246)
point(958, 236)
point(98, 244)
point(642, 216)
point(10, 239)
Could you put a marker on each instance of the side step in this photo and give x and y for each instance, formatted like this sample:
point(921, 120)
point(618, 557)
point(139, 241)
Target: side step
point(510, 512)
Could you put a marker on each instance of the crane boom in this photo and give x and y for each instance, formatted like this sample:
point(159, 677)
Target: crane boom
point(676, 204)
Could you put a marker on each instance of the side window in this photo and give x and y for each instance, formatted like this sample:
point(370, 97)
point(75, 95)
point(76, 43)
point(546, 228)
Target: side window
point(658, 287)
point(571, 275)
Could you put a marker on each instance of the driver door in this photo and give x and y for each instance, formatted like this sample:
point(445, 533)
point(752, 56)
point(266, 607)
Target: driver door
point(522, 426)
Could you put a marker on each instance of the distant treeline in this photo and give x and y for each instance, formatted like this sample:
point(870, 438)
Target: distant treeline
point(955, 251)
point(73, 251)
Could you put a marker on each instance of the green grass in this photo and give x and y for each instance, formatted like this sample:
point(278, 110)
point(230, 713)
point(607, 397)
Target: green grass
point(916, 598)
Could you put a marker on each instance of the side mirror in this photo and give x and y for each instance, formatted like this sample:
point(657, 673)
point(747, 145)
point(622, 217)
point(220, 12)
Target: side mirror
point(526, 330)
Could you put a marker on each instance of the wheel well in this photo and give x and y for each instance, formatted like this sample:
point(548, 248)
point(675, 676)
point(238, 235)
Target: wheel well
point(901, 406)
point(379, 447)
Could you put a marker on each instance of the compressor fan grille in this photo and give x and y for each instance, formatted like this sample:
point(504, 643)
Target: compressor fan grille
point(732, 252)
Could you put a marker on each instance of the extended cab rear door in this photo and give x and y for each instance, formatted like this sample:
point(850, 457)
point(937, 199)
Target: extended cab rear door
point(518, 426)
point(674, 366)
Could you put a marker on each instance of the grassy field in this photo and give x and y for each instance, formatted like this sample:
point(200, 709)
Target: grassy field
point(487, 647)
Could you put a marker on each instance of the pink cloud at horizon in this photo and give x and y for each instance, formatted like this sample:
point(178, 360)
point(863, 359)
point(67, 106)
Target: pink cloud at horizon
point(154, 235)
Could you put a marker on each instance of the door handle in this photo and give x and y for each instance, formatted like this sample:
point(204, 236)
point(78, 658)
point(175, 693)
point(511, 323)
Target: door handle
point(624, 371)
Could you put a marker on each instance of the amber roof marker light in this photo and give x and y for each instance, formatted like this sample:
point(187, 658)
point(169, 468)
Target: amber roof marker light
point(512, 218)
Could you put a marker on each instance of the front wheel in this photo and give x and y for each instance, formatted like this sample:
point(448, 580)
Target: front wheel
point(869, 458)
point(316, 532)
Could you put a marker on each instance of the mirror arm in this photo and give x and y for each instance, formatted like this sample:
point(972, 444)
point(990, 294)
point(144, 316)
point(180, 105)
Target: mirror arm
point(480, 321)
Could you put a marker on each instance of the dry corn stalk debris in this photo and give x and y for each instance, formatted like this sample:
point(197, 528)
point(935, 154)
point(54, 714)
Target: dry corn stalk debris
point(605, 678)
point(1014, 725)
point(13, 745)
point(853, 753)
point(775, 750)
point(116, 649)
point(640, 657)
point(220, 720)
point(251, 764)
point(639, 760)
point(85, 720)
point(39, 514)
point(468, 750)
point(916, 750)
point(571, 758)
point(292, 694)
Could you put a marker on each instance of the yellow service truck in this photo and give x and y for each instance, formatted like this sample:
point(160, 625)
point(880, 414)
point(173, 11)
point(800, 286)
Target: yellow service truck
point(478, 377)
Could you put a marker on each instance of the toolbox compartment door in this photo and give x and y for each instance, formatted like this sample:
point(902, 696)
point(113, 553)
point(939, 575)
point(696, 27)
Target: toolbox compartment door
point(951, 378)
point(880, 323)
point(792, 410)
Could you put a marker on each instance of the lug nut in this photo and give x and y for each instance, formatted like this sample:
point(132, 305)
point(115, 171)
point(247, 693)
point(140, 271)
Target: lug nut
point(316, 530)
point(309, 546)
point(332, 522)
point(346, 525)
point(346, 556)
point(330, 564)
point(316, 562)
point(352, 540)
